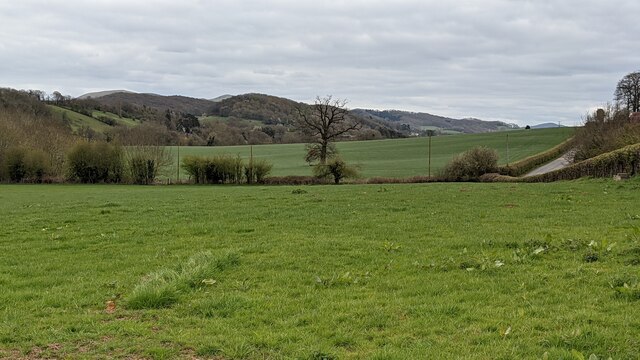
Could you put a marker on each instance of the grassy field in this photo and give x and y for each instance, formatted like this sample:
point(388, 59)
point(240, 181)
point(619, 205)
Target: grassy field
point(396, 158)
point(77, 120)
point(443, 271)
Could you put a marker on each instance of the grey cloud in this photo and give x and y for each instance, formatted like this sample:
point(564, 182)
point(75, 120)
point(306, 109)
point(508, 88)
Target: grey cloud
point(511, 60)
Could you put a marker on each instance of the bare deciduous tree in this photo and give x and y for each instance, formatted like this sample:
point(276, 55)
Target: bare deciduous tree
point(628, 91)
point(324, 122)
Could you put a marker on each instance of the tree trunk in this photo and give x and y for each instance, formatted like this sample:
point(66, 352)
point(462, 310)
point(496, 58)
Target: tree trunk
point(323, 152)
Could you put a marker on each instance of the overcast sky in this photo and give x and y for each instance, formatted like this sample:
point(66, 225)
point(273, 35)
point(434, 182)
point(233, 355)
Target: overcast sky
point(521, 61)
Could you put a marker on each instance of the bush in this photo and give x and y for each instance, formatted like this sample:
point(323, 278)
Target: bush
point(28, 165)
point(14, 164)
point(145, 163)
point(257, 171)
point(97, 162)
point(37, 165)
point(471, 164)
point(214, 170)
point(336, 168)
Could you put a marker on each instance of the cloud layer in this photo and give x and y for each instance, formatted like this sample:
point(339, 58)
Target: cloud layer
point(520, 61)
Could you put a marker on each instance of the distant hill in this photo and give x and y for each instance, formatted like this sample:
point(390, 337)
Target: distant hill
point(177, 103)
point(548, 125)
point(98, 94)
point(418, 122)
point(221, 97)
point(272, 110)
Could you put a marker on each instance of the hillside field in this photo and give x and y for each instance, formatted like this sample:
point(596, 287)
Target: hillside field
point(396, 157)
point(443, 271)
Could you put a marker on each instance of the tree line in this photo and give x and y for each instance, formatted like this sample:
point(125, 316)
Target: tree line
point(613, 126)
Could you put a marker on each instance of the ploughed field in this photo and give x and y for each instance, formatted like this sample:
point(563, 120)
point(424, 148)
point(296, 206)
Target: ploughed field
point(392, 158)
point(456, 270)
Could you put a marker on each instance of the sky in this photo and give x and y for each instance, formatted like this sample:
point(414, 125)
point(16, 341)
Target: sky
point(525, 62)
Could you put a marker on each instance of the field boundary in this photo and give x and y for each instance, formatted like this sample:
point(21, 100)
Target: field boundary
point(624, 160)
point(527, 164)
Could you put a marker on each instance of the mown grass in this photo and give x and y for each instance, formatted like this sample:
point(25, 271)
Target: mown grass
point(472, 271)
point(398, 157)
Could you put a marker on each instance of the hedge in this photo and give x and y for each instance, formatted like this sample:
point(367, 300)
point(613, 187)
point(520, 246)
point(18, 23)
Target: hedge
point(624, 160)
point(525, 165)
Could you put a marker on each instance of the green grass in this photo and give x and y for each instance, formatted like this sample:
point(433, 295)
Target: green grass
point(395, 158)
point(77, 120)
point(120, 120)
point(468, 270)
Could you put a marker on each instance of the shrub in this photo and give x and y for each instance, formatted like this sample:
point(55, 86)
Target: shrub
point(37, 165)
point(257, 171)
point(97, 162)
point(194, 166)
point(214, 170)
point(471, 164)
point(22, 164)
point(145, 163)
point(336, 168)
point(14, 164)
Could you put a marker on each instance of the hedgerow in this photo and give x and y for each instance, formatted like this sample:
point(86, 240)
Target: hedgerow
point(625, 160)
point(525, 165)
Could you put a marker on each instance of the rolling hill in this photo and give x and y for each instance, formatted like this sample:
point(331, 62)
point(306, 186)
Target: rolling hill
point(418, 122)
point(273, 110)
point(176, 103)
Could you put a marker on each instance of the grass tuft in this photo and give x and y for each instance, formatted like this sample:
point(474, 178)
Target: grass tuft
point(162, 288)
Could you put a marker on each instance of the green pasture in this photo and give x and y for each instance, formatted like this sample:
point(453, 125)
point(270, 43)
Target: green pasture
point(420, 271)
point(395, 157)
point(77, 120)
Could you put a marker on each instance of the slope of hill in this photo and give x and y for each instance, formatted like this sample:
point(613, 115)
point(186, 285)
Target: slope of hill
point(424, 121)
point(99, 94)
point(272, 110)
point(221, 97)
point(265, 108)
point(176, 103)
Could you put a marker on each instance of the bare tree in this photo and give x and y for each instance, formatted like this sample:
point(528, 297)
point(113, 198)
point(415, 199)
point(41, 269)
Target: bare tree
point(324, 122)
point(628, 91)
